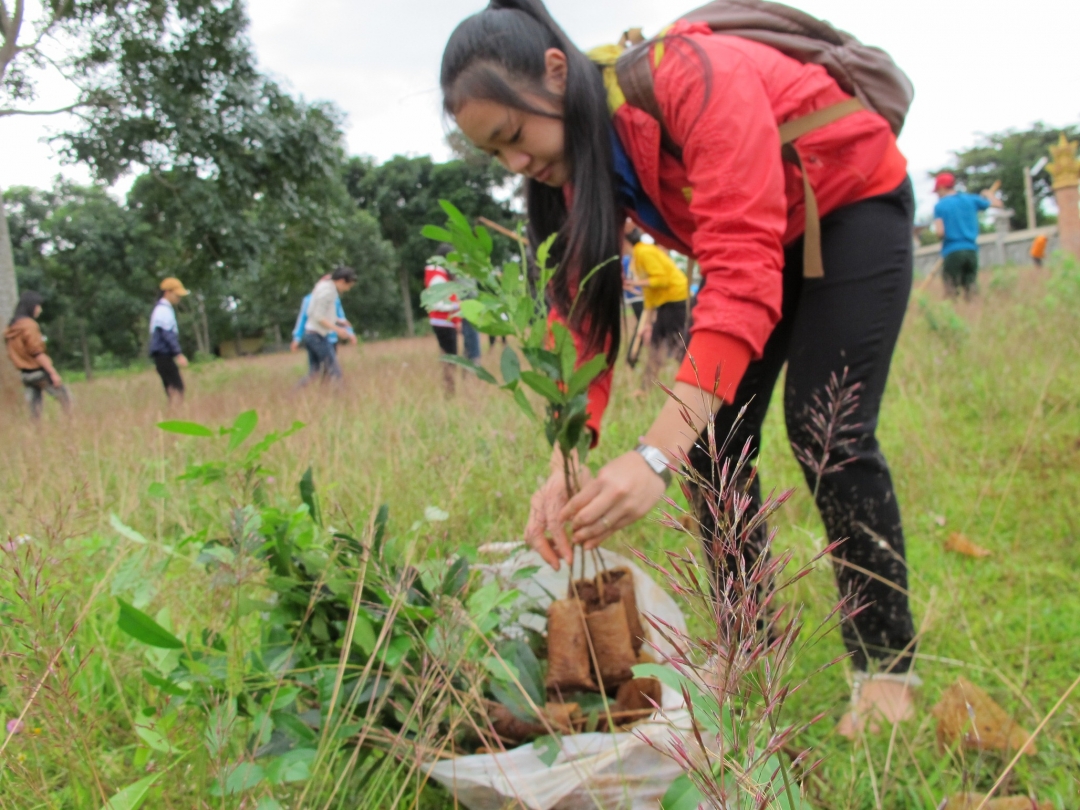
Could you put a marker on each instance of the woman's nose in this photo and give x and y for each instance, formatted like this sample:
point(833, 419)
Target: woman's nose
point(515, 161)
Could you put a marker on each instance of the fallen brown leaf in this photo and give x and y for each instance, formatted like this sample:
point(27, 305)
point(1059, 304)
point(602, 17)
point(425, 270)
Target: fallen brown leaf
point(962, 545)
point(967, 714)
point(970, 801)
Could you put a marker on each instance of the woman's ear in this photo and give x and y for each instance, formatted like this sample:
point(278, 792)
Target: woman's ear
point(555, 71)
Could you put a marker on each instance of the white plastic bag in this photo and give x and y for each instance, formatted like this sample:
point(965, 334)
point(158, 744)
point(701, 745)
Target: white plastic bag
point(596, 771)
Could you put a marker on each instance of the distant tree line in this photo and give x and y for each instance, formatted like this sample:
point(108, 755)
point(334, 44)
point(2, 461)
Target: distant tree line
point(248, 261)
point(242, 191)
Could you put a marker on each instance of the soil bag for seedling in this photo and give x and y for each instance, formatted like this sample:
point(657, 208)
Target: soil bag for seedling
point(568, 648)
point(611, 640)
point(589, 771)
point(621, 581)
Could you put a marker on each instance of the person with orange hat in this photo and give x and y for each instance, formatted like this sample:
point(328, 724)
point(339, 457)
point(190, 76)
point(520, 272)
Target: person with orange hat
point(956, 221)
point(165, 348)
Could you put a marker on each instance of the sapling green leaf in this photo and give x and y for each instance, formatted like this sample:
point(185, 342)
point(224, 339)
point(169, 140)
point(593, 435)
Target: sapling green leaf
point(510, 366)
point(464, 362)
point(242, 428)
point(133, 796)
point(142, 628)
point(544, 386)
point(187, 429)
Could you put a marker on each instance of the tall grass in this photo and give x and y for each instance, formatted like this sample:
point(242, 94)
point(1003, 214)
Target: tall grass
point(981, 425)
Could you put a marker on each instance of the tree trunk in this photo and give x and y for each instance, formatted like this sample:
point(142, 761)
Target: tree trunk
point(88, 366)
point(406, 301)
point(9, 297)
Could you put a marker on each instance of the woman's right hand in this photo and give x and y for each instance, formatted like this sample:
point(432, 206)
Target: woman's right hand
point(544, 532)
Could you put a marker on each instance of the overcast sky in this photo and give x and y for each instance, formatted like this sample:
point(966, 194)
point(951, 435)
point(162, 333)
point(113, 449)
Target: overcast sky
point(976, 66)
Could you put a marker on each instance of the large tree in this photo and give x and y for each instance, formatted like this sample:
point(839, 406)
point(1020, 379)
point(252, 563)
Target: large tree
point(151, 81)
point(1003, 156)
point(403, 195)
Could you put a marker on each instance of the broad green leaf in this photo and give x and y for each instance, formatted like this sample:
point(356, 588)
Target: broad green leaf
point(294, 726)
point(510, 365)
point(126, 531)
point(266, 803)
point(131, 797)
point(157, 490)
point(187, 429)
point(141, 627)
point(484, 238)
point(523, 403)
point(242, 428)
point(501, 670)
point(565, 349)
point(457, 219)
point(364, 635)
point(436, 233)
point(464, 362)
point(585, 374)
point(164, 684)
point(473, 310)
point(547, 749)
point(529, 673)
point(307, 495)
point(512, 699)
point(244, 776)
point(154, 738)
point(544, 251)
point(295, 766)
point(543, 386)
point(682, 795)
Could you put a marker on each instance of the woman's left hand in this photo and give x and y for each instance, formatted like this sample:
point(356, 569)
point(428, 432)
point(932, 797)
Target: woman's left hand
point(624, 490)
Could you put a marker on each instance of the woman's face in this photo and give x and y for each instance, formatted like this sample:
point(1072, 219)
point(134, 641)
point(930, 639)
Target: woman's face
point(524, 142)
point(37, 312)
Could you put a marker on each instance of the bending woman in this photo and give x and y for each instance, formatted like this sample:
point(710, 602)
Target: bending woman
point(714, 186)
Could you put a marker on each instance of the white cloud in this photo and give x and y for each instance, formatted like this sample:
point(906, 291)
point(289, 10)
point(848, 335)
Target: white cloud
point(977, 67)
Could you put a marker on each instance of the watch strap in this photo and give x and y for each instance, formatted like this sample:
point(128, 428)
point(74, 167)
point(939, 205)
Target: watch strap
point(657, 461)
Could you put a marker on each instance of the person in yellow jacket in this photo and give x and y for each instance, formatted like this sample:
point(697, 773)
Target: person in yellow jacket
point(665, 290)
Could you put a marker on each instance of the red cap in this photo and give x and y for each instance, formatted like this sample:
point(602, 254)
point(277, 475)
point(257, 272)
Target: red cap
point(944, 180)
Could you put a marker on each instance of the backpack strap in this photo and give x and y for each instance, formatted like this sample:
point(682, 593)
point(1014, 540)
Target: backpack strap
point(635, 77)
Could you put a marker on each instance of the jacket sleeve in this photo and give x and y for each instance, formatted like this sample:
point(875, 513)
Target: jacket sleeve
point(731, 152)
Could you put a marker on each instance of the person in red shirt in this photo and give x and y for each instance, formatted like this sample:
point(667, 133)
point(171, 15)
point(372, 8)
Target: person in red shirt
point(445, 320)
point(521, 91)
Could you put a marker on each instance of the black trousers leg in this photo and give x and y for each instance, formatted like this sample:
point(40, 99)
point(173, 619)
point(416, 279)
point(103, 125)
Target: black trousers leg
point(844, 324)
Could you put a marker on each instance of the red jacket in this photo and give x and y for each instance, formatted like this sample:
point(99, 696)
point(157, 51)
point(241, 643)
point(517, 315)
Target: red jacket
point(451, 316)
point(732, 203)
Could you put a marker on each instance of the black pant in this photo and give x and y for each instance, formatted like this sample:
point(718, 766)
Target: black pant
point(850, 319)
point(447, 337)
point(959, 270)
point(169, 372)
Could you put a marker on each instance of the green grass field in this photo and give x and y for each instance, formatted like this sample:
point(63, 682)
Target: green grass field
point(981, 427)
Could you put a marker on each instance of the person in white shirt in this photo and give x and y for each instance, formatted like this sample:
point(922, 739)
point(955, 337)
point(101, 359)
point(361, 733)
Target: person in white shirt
point(323, 320)
point(165, 339)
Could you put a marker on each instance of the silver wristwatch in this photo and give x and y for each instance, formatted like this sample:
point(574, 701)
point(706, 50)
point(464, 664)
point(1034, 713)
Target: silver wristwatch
point(656, 460)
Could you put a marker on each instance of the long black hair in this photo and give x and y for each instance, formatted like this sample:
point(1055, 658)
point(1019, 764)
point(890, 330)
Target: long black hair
point(493, 55)
point(28, 302)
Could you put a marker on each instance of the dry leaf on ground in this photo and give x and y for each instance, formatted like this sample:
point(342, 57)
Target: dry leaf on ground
point(970, 801)
point(962, 545)
point(966, 713)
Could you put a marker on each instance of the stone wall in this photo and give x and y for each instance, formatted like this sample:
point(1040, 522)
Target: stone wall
point(1017, 245)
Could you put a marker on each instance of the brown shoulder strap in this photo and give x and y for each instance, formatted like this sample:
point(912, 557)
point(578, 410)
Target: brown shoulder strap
point(636, 81)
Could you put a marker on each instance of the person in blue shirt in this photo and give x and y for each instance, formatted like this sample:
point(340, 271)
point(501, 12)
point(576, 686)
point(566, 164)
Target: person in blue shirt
point(301, 324)
point(956, 221)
